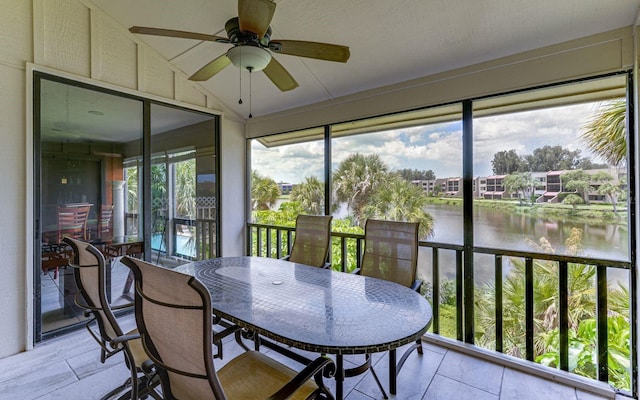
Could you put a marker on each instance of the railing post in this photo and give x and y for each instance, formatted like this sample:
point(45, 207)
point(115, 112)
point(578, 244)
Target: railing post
point(278, 243)
point(498, 303)
point(459, 297)
point(289, 244)
point(436, 290)
point(528, 304)
point(268, 250)
point(343, 253)
point(563, 319)
point(259, 242)
point(601, 315)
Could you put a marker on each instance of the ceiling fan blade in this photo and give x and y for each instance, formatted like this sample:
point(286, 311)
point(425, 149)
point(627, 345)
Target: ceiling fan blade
point(320, 51)
point(280, 76)
point(255, 15)
point(178, 34)
point(211, 69)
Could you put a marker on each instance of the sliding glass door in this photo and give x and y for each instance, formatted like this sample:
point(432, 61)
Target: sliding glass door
point(89, 162)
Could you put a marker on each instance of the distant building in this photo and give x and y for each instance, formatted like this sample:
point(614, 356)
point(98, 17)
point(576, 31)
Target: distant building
point(286, 188)
point(549, 186)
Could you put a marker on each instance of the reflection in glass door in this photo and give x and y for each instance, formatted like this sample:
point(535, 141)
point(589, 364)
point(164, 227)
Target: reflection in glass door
point(83, 137)
point(183, 186)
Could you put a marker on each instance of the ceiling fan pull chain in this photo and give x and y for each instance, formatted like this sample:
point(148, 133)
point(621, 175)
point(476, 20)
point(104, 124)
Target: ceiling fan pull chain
point(240, 69)
point(250, 69)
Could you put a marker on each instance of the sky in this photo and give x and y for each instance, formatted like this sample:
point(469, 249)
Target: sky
point(436, 147)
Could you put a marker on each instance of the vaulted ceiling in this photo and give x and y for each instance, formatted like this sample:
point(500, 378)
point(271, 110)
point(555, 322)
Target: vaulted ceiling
point(389, 41)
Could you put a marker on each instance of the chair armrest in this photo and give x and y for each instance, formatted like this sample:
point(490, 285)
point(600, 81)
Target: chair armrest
point(327, 265)
point(417, 284)
point(321, 366)
point(122, 339)
point(286, 258)
point(356, 271)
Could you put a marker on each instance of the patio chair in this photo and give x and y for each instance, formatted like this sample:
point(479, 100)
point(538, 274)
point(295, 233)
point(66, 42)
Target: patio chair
point(165, 299)
point(90, 277)
point(391, 253)
point(312, 241)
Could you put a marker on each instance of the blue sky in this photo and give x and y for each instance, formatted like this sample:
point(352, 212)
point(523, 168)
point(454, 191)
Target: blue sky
point(436, 147)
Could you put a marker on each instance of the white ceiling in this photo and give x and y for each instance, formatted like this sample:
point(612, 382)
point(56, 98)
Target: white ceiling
point(390, 41)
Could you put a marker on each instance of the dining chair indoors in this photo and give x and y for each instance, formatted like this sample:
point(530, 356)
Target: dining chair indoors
point(90, 277)
point(166, 299)
point(312, 240)
point(72, 221)
point(391, 253)
point(105, 220)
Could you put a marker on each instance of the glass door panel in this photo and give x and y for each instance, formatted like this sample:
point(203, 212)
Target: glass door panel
point(83, 137)
point(183, 185)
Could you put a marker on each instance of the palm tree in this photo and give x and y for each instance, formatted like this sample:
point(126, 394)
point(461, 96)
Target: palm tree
point(581, 300)
point(521, 183)
point(356, 180)
point(399, 200)
point(606, 133)
point(264, 191)
point(185, 181)
point(310, 195)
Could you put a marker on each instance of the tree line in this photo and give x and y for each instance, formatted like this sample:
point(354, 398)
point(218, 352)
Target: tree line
point(364, 184)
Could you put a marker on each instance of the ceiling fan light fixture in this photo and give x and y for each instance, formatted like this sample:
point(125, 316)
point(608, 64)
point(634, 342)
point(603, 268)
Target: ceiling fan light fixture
point(248, 57)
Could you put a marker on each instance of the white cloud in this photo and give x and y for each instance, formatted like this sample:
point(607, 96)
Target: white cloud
point(437, 147)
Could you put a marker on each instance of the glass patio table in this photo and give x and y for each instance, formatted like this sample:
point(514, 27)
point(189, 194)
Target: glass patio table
point(313, 309)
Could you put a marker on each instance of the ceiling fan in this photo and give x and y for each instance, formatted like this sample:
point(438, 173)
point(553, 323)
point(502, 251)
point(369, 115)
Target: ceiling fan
point(250, 35)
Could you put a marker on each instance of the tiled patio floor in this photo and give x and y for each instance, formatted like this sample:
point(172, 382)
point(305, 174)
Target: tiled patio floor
point(68, 368)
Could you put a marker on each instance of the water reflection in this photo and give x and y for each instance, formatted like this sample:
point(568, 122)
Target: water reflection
point(504, 230)
point(501, 229)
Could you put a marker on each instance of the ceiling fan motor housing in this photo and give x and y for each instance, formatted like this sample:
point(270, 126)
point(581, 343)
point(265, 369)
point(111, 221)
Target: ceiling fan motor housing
point(236, 36)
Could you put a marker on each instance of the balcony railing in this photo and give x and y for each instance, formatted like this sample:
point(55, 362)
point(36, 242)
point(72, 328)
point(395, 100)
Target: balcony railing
point(275, 241)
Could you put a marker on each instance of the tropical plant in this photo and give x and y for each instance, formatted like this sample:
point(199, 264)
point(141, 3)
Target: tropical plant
point(609, 189)
point(185, 188)
point(581, 314)
point(573, 200)
point(399, 200)
point(356, 180)
point(605, 133)
point(310, 195)
point(132, 188)
point(264, 191)
point(522, 183)
point(577, 181)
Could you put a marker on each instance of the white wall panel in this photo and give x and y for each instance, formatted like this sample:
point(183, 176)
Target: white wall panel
point(155, 76)
point(233, 188)
point(13, 296)
point(114, 55)
point(16, 39)
point(66, 36)
point(186, 91)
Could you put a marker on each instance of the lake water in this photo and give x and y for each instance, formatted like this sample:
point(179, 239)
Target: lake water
point(503, 230)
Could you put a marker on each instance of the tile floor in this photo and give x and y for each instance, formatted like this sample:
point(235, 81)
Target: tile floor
point(68, 368)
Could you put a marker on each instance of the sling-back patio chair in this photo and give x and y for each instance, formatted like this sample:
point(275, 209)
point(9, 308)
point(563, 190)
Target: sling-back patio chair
point(391, 253)
point(312, 241)
point(90, 277)
point(166, 300)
